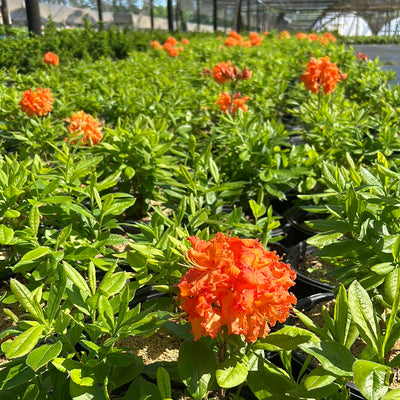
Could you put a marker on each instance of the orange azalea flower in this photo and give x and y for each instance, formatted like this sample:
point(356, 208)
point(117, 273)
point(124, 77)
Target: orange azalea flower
point(156, 45)
point(185, 41)
point(51, 58)
point(329, 36)
point(313, 37)
point(224, 101)
point(237, 284)
point(224, 72)
point(301, 36)
point(322, 72)
point(265, 33)
point(231, 42)
point(362, 57)
point(37, 103)
point(284, 35)
point(235, 35)
point(255, 39)
point(86, 127)
point(171, 40)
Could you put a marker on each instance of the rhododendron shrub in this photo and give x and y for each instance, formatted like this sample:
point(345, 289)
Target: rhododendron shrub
point(235, 286)
point(39, 102)
point(86, 128)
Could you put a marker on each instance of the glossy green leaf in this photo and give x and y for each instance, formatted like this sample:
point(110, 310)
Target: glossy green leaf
point(34, 219)
point(26, 299)
point(43, 354)
point(363, 314)
point(140, 389)
point(35, 254)
point(232, 372)
point(163, 383)
point(25, 342)
point(196, 364)
point(371, 378)
point(6, 234)
point(334, 357)
point(76, 278)
point(286, 339)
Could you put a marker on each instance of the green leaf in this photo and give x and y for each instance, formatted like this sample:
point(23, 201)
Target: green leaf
point(76, 278)
point(396, 250)
point(232, 372)
point(25, 342)
point(351, 206)
point(63, 236)
point(163, 383)
point(371, 379)
point(34, 254)
point(214, 170)
point(113, 284)
point(392, 395)
point(15, 375)
point(286, 339)
point(196, 364)
point(270, 382)
point(26, 299)
point(318, 378)
point(140, 389)
point(334, 357)
point(34, 219)
point(12, 214)
point(43, 354)
point(6, 234)
point(31, 393)
point(363, 314)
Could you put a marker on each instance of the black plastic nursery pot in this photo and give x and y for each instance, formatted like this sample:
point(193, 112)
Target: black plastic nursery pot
point(296, 217)
point(305, 285)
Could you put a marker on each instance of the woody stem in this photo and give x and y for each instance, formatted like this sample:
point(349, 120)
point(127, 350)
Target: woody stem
point(232, 98)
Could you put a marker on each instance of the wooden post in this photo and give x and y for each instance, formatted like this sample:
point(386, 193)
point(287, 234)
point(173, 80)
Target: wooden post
point(215, 15)
point(151, 14)
point(237, 20)
point(5, 13)
point(170, 16)
point(100, 11)
point(248, 15)
point(198, 14)
point(33, 16)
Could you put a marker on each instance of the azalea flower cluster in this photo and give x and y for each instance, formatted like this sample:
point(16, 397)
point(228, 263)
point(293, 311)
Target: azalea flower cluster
point(235, 39)
point(362, 57)
point(83, 127)
point(235, 286)
point(322, 73)
point(284, 35)
point(51, 58)
point(326, 38)
point(37, 102)
point(170, 46)
point(225, 72)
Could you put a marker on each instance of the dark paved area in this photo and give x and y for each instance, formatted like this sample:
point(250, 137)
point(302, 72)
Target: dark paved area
point(389, 54)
